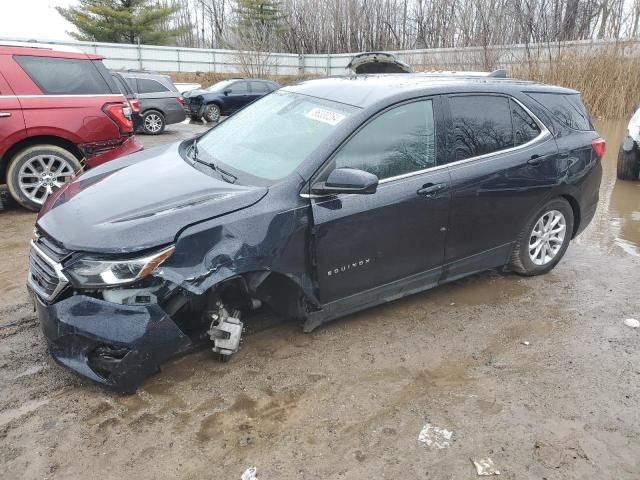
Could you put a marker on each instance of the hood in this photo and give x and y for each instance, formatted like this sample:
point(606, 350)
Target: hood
point(139, 201)
point(377, 62)
point(195, 93)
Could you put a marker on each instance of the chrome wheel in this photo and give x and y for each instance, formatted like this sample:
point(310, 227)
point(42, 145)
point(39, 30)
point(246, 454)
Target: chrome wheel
point(212, 113)
point(42, 174)
point(153, 123)
point(547, 237)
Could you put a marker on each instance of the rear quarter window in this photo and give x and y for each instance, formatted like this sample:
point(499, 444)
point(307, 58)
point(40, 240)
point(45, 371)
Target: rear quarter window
point(568, 109)
point(146, 85)
point(65, 76)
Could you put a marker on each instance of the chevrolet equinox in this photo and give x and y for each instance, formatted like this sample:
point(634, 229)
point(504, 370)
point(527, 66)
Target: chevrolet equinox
point(316, 201)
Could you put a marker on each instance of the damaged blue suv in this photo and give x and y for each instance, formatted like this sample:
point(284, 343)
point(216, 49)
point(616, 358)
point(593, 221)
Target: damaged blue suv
point(316, 201)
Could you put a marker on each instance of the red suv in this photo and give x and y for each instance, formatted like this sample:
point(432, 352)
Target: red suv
point(60, 111)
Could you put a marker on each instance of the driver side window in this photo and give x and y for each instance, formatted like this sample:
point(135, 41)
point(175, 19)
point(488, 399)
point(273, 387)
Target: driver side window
point(399, 141)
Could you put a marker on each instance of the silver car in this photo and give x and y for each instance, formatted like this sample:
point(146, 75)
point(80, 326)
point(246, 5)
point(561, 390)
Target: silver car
point(161, 103)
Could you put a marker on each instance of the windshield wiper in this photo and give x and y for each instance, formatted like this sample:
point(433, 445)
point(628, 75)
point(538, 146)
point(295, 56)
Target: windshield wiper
point(226, 176)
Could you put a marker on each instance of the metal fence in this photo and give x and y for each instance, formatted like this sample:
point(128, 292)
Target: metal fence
point(175, 59)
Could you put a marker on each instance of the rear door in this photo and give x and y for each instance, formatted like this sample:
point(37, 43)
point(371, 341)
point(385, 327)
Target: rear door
point(502, 164)
point(155, 95)
point(366, 241)
point(12, 127)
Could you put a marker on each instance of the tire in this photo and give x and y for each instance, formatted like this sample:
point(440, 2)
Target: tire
point(529, 260)
point(31, 176)
point(212, 113)
point(153, 122)
point(628, 164)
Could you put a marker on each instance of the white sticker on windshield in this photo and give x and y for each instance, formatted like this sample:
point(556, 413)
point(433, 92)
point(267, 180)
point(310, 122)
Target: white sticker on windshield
point(325, 116)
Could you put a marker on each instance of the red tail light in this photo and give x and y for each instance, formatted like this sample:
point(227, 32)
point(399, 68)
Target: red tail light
point(135, 106)
point(180, 100)
point(120, 113)
point(599, 146)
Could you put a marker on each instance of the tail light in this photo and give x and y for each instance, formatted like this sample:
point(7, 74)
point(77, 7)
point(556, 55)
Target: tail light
point(599, 146)
point(180, 100)
point(120, 113)
point(135, 105)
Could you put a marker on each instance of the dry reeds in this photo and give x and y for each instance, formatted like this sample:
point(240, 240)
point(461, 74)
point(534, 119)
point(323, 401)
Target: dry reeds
point(609, 78)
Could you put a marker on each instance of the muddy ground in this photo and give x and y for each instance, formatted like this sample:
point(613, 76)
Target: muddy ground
point(349, 400)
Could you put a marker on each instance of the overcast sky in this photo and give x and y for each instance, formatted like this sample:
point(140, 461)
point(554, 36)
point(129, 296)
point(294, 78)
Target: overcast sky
point(34, 19)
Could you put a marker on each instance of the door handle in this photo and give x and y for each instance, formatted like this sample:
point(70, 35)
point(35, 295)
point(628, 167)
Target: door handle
point(5, 114)
point(430, 189)
point(535, 160)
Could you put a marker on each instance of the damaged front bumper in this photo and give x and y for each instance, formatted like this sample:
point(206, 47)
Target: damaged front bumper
point(115, 345)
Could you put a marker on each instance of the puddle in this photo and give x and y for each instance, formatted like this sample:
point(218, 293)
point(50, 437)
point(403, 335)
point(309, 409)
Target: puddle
point(615, 228)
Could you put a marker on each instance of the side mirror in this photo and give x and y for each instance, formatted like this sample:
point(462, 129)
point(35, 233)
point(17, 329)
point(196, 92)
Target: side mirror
point(347, 180)
point(227, 91)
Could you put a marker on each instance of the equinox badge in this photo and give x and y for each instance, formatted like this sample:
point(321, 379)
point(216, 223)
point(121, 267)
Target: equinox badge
point(347, 267)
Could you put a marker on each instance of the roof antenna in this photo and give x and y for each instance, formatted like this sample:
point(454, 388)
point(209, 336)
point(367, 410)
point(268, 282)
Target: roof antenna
point(500, 73)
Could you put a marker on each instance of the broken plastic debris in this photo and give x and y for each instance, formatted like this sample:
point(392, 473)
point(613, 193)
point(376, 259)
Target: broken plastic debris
point(250, 473)
point(435, 437)
point(485, 467)
point(632, 322)
point(525, 343)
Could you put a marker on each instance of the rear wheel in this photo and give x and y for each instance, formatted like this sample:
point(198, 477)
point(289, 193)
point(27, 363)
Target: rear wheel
point(153, 122)
point(544, 239)
point(628, 164)
point(37, 171)
point(212, 113)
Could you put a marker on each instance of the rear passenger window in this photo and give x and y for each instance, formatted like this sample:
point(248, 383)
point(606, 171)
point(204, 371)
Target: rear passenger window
point(567, 108)
point(146, 85)
point(481, 125)
point(399, 141)
point(64, 76)
point(525, 128)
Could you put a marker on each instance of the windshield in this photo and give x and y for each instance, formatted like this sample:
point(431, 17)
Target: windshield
point(273, 135)
point(219, 85)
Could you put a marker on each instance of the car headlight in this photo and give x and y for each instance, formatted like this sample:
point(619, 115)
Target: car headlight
point(91, 273)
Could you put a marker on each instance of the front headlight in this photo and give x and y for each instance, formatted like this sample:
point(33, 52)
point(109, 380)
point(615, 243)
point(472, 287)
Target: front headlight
point(91, 273)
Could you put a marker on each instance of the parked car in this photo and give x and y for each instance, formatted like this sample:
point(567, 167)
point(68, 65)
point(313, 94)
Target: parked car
point(226, 97)
point(131, 97)
point(319, 200)
point(161, 103)
point(629, 153)
point(60, 110)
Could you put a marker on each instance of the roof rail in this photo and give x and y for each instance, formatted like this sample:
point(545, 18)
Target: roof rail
point(43, 46)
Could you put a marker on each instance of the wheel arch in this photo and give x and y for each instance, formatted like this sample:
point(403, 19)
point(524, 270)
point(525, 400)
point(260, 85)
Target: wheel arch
point(36, 140)
point(577, 214)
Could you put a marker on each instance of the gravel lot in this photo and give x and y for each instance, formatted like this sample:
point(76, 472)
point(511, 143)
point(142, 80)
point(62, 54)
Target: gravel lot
point(349, 400)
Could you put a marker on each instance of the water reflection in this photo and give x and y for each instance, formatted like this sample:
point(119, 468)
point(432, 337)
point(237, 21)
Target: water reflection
point(616, 226)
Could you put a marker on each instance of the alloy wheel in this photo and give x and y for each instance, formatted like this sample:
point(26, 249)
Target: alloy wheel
point(547, 237)
point(213, 113)
point(153, 123)
point(42, 174)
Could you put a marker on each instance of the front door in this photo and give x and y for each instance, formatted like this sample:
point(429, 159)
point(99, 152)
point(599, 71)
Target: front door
point(367, 241)
point(238, 97)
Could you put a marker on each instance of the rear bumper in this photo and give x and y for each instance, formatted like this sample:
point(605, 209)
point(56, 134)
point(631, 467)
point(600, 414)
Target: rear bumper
point(114, 345)
point(130, 145)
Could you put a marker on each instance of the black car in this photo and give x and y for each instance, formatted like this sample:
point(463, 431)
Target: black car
point(316, 201)
point(225, 97)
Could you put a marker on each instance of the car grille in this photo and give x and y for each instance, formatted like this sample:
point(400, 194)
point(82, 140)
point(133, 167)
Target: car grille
point(45, 270)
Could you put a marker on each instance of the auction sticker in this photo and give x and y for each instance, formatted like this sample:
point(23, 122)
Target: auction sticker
point(325, 116)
